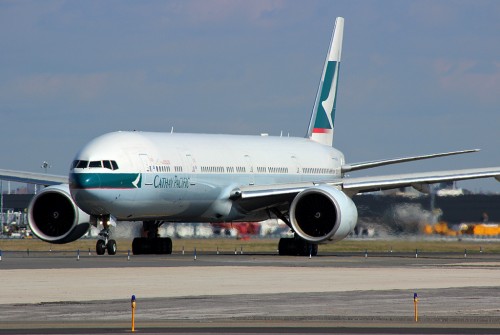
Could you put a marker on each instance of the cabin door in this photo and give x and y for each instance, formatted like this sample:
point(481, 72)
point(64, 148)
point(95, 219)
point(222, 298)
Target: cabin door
point(147, 172)
point(249, 169)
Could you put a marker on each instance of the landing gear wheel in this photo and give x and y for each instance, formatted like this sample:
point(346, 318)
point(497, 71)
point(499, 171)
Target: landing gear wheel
point(139, 246)
point(297, 247)
point(286, 247)
point(163, 246)
point(305, 248)
point(111, 247)
point(100, 247)
point(314, 250)
point(148, 246)
point(104, 243)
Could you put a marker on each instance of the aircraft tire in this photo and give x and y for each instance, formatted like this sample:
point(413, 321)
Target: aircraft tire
point(286, 247)
point(111, 247)
point(158, 246)
point(296, 247)
point(167, 242)
point(148, 246)
point(162, 246)
point(305, 248)
point(100, 247)
point(138, 246)
point(314, 250)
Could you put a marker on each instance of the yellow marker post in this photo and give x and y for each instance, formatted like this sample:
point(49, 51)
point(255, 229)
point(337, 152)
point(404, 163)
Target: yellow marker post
point(132, 302)
point(415, 303)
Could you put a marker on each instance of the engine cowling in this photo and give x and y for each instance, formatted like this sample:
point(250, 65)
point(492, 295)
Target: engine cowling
point(54, 217)
point(323, 213)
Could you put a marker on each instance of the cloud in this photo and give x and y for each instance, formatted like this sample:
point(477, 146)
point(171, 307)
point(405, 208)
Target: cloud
point(214, 11)
point(436, 13)
point(83, 87)
point(469, 77)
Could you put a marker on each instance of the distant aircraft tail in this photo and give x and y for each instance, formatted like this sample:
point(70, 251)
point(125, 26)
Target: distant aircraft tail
point(323, 115)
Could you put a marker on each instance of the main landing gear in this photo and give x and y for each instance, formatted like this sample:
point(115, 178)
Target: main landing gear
point(297, 246)
point(103, 242)
point(152, 243)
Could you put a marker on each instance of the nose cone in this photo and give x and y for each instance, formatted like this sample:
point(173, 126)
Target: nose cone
point(84, 181)
point(85, 191)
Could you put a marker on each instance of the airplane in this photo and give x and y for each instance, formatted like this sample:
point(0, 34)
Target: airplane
point(172, 177)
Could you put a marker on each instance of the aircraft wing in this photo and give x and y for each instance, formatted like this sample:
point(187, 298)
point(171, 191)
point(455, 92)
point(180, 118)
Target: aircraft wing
point(258, 197)
point(372, 164)
point(417, 180)
point(251, 198)
point(32, 177)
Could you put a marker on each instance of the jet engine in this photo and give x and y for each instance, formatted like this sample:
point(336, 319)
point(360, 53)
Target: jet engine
point(54, 217)
point(323, 213)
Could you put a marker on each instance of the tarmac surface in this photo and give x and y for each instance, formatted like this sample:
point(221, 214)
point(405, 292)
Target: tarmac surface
point(61, 293)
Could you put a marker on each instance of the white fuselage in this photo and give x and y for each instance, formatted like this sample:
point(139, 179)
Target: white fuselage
point(188, 177)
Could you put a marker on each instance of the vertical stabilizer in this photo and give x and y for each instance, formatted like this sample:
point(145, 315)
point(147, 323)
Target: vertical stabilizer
point(323, 115)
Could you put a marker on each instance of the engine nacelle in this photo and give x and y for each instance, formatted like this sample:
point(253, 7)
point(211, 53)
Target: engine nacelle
point(54, 217)
point(322, 214)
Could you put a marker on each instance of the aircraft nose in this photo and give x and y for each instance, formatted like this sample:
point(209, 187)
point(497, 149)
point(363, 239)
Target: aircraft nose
point(85, 191)
point(84, 181)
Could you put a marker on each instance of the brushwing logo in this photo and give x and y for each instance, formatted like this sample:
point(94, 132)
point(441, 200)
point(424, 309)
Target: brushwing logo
point(325, 115)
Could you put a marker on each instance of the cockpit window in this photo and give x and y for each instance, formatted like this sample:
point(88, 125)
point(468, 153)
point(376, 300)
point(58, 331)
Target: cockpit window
point(95, 164)
point(111, 165)
point(82, 164)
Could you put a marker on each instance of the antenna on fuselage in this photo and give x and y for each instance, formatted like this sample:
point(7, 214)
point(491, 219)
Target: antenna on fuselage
point(172, 130)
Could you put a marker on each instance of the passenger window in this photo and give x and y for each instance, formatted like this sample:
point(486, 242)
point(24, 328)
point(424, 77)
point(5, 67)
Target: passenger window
point(82, 164)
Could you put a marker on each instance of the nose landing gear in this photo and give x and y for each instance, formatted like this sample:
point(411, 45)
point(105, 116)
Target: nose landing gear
point(104, 243)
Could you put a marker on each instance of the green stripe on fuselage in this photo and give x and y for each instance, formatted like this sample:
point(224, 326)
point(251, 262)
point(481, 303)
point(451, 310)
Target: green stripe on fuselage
point(105, 180)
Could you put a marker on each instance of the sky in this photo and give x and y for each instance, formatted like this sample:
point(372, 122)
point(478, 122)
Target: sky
point(416, 77)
